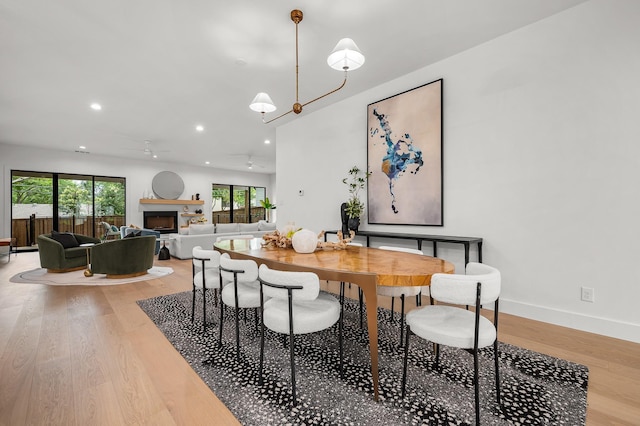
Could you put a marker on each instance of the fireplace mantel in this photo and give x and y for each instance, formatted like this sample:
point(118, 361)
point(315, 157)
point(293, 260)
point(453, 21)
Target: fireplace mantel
point(161, 201)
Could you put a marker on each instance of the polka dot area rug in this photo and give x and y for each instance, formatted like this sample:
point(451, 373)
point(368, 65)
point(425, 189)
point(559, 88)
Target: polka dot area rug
point(536, 389)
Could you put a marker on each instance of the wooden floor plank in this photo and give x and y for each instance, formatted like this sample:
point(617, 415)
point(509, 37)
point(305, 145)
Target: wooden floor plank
point(180, 384)
point(17, 364)
point(93, 346)
point(51, 399)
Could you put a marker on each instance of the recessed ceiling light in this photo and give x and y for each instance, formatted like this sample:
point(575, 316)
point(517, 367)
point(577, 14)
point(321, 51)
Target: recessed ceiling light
point(207, 162)
point(96, 106)
point(200, 128)
point(82, 147)
point(267, 141)
point(155, 156)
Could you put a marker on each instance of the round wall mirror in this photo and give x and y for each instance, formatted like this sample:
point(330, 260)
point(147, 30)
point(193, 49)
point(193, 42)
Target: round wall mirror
point(167, 185)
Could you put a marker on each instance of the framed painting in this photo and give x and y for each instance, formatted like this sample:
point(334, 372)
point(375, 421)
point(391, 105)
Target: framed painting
point(404, 156)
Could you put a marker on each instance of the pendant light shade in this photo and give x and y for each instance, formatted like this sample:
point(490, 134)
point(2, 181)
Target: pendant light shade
point(262, 103)
point(345, 56)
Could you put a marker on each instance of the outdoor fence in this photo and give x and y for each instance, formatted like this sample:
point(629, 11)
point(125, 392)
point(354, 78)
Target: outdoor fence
point(239, 216)
point(26, 231)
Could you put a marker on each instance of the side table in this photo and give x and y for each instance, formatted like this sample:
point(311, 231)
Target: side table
point(163, 253)
point(88, 246)
point(7, 242)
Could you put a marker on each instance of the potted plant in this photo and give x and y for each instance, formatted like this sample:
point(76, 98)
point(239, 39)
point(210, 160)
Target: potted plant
point(266, 204)
point(354, 208)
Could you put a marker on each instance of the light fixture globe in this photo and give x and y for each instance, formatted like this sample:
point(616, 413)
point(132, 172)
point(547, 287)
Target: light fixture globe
point(345, 56)
point(262, 103)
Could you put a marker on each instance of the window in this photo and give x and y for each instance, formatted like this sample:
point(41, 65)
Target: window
point(41, 202)
point(237, 203)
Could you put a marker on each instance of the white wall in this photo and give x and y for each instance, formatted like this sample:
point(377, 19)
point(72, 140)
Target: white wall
point(138, 173)
point(541, 159)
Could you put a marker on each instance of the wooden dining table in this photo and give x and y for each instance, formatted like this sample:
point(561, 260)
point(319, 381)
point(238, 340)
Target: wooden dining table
point(363, 266)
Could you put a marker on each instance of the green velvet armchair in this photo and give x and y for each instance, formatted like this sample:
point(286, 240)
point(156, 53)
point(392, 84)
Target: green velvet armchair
point(56, 258)
point(126, 257)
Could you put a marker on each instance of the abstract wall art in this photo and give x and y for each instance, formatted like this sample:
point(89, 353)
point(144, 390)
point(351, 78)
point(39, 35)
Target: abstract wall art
point(404, 156)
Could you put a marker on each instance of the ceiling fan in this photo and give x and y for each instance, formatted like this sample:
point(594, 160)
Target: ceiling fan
point(148, 150)
point(251, 164)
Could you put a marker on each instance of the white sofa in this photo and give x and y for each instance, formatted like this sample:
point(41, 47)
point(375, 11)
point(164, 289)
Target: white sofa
point(181, 245)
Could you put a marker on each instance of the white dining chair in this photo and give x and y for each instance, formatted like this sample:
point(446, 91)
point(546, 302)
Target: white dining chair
point(401, 292)
point(296, 306)
point(205, 276)
point(240, 290)
point(456, 326)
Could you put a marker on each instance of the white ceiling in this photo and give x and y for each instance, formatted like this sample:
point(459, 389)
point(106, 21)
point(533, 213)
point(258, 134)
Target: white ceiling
point(159, 67)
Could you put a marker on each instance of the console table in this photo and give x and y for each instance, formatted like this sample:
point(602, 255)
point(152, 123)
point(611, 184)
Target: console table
point(419, 238)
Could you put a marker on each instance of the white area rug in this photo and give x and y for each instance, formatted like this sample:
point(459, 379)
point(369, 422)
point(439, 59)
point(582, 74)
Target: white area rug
point(41, 276)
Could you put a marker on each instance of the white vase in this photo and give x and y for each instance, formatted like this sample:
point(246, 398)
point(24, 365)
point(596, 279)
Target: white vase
point(304, 241)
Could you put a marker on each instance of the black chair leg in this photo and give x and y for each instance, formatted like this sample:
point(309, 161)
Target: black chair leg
point(204, 309)
point(406, 358)
point(221, 318)
point(236, 298)
point(476, 380)
point(293, 370)
point(393, 299)
point(495, 357)
point(419, 299)
point(237, 333)
point(260, 380)
point(360, 300)
point(193, 305)
point(401, 319)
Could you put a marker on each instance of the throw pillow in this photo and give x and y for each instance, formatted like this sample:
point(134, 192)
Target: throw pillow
point(200, 229)
point(133, 234)
point(114, 228)
point(264, 226)
point(66, 239)
point(227, 228)
point(248, 227)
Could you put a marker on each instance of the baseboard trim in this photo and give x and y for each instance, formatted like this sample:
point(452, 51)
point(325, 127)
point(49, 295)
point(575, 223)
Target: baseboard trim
point(603, 326)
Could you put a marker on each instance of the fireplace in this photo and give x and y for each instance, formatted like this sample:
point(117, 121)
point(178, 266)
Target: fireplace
point(164, 222)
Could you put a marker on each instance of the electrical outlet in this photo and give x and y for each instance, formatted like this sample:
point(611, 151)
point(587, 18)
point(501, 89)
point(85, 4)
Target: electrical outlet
point(587, 294)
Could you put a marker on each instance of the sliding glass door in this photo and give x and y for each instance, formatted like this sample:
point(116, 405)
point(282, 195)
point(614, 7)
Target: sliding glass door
point(41, 202)
point(237, 203)
point(109, 202)
point(31, 206)
point(75, 204)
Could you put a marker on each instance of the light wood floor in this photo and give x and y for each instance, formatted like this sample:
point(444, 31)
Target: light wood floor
point(89, 356)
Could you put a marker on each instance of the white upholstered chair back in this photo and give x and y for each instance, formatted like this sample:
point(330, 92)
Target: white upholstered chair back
point(461, 289)
point(213, 256)
point(249, 268)
point(402, 249)
point(307, 280)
